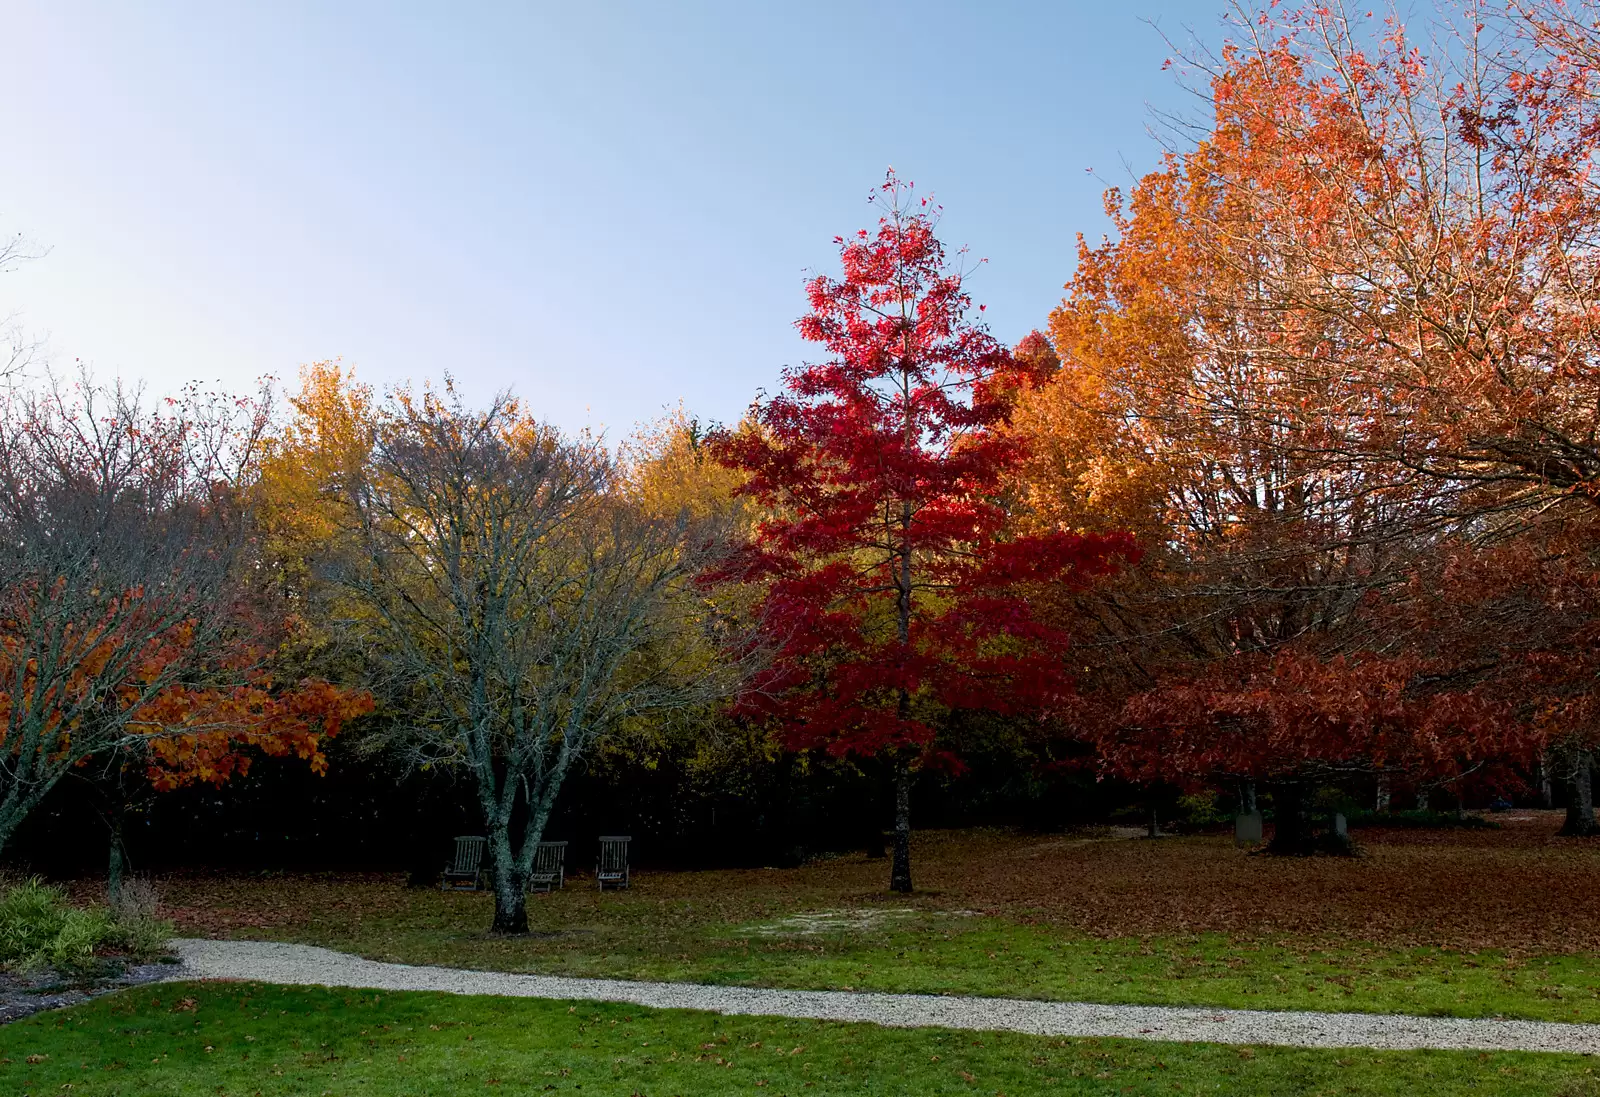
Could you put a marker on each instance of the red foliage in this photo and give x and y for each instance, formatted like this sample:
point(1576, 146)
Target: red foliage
point(1290, 717)
point(893, 590)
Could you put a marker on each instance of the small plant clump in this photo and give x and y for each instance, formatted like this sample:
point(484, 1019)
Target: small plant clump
point(39, 928)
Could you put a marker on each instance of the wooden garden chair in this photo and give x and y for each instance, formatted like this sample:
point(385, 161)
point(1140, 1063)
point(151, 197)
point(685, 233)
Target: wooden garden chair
point(465, 873)
point(549, 867)
point(612, 868)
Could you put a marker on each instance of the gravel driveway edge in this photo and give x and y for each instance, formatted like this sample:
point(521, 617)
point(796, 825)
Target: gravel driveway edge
point(307, 965)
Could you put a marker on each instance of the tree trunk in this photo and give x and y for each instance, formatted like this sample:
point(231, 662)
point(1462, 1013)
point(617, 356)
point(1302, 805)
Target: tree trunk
point(786, 851)
point(510, 884)
point(872, 830)
point(1580, 797)
point(116, 862)
point(1382, 804)
point(510, 899)
point(14, 807)
point(1291, 833)
point(1247, 798)
point(900, 871)
point(1547, 792)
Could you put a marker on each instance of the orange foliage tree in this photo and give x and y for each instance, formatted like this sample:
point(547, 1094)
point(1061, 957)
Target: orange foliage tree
point(128, 627)
point(1339, 350)
point(1434, 211)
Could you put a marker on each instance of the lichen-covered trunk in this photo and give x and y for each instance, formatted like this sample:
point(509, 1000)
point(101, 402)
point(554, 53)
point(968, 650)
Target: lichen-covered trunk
point(1580, 797)
point(900, 871)
point(505, 874)
point(510, 891)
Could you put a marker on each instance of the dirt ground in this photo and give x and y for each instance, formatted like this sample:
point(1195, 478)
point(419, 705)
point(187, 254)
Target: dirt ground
point(1517, 888)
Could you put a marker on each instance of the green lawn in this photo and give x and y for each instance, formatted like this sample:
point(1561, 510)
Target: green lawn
point(215, 1040)
point(1481, 923)
point(937, 953)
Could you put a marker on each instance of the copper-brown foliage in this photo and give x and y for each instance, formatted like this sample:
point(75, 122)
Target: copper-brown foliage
point(1515, 889)
point(1338, 360)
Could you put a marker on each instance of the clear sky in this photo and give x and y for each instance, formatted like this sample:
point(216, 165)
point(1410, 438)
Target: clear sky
point(606, 207)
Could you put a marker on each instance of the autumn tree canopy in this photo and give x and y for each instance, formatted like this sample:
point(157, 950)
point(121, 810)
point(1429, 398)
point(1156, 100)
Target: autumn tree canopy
point(512, 604)
point(1298, 485)
point(1336, 353)
point(894, 589)
point(130, 630)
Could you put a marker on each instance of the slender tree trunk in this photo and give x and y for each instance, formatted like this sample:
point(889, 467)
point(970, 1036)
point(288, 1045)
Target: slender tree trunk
point(1382, 804)
point(1291, 833)
point(900, 870)
point(872, 827)
point(116, 863)
point(1580, 797)
point(785, 850)
point(1547, 792)
point(114, 871)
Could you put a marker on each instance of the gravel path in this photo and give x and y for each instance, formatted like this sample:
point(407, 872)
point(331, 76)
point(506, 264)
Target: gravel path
point(306, 965)
point(24, 995)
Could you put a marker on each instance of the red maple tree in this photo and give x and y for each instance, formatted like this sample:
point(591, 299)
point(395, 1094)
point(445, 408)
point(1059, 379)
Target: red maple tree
point(893, 591)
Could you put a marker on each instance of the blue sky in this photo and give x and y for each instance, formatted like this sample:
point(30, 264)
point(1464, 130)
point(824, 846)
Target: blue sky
point(606, 207)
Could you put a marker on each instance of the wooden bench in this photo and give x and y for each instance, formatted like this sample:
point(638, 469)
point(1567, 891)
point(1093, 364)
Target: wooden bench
point(612, 868)
point(465, 873)
point(549, 867)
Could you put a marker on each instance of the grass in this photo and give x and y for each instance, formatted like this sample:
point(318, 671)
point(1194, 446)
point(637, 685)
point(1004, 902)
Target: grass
point(988, 956)
point(187, 1040)
point(1469, 923)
